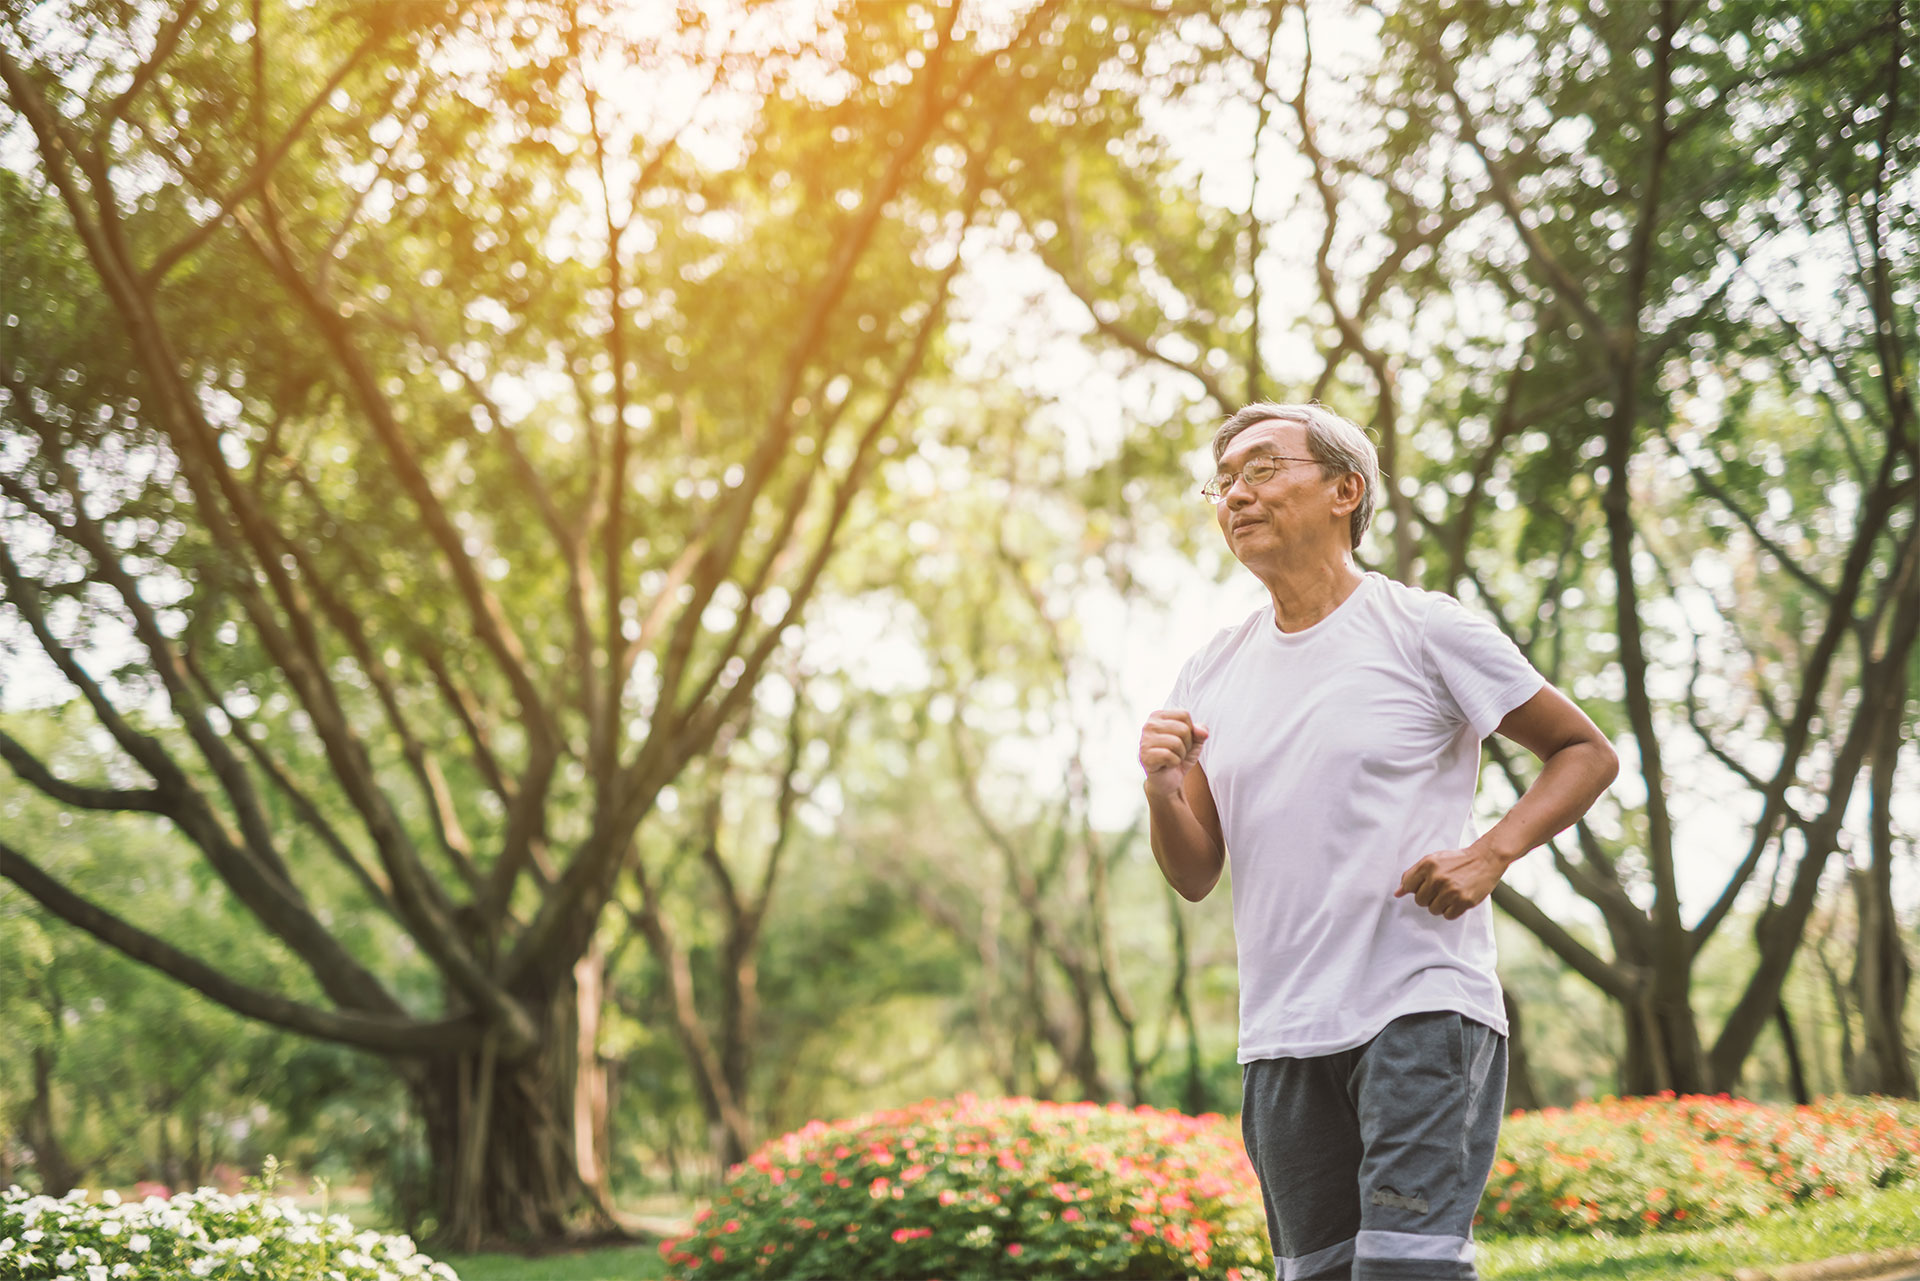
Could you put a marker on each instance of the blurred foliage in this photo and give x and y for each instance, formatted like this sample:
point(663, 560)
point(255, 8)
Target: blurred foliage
point(1628, 306)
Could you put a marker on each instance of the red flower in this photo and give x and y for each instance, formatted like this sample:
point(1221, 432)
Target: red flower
point(1015, 1250)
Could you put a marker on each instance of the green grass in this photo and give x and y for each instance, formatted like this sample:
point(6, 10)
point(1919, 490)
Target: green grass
point(616, 1263)
point(1877, 1221)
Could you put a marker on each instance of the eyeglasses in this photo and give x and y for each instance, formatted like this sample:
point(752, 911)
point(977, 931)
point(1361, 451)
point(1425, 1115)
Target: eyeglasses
point(1257, 472)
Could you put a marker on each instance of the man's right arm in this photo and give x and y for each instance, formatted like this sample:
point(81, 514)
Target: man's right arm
point(1183, 825)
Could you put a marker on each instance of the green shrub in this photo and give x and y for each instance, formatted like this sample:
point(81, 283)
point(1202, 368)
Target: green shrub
point(1013, 1188)
point(1635, 1165)
point(251, 1237)
point(1833, 1147)
point(989, 1188)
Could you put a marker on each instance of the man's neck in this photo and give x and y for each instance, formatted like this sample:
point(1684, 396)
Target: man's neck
point(1305, 594)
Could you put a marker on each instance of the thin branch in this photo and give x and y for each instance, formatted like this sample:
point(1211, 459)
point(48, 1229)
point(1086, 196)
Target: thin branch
point(163, 46)
point(1563, 944)
point(387, 1034)
point(255, 180)
point(1136, 343)
point(35, 773)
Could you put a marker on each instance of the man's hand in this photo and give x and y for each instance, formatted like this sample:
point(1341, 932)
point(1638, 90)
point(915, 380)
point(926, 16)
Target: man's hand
point(1169, 747)
point(1452, 881)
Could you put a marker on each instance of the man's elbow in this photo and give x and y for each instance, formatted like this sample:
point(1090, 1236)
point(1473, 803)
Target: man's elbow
point(1193, 889)
point(1606, 764)
point(1195, 892)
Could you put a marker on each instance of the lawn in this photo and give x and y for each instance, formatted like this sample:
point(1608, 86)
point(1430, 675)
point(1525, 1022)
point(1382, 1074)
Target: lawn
point(1873, 1221)
point(616, 1263)
point(1883, 1220)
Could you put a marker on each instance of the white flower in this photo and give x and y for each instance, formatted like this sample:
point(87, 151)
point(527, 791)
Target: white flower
point(109, 1197)
point(201, 1266)
point(65, 1259)
point(123, 1269)
point(32, 1235)
point(110, 1228)
point(96, 1273)
point(139, 1242)
point(6, 1245)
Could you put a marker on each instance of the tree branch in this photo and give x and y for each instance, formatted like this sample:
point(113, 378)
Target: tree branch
point(386, 1034)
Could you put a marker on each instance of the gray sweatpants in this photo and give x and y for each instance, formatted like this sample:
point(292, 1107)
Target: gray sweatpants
point(1372, 1160)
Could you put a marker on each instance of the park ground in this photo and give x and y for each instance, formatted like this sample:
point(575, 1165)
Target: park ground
point(1885, 1221)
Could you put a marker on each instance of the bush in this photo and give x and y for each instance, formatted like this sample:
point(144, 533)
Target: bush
point(1833, 1147)
point(1636, 1165)
point(250, 1237)
point(989, 1188)
point(1013, 1188)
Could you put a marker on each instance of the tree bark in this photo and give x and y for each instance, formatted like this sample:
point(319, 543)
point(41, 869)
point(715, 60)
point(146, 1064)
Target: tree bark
point(501, 1137)
point(1522, 1093)
point(592, 1093)
point(1882, 972)
point(1790, 1043)
point(40, 1135)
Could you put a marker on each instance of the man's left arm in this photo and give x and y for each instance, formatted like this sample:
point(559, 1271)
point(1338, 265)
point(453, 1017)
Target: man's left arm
point(1578, 764)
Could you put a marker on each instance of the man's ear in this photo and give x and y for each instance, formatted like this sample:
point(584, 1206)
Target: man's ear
point(1347, 491)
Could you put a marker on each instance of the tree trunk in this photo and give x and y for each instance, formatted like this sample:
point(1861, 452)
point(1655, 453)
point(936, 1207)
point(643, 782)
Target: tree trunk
point(592, 1094)
point(40, 1135)
point(1881, 971)
point(1796, 1070)
point(501, 1139)
point(1521, 1091)
point(1662, 1047)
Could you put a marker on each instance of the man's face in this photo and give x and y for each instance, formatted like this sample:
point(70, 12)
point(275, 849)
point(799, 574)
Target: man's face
point(1293, 504)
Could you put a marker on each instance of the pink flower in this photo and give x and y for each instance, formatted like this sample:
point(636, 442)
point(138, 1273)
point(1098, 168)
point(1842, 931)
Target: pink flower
point(731, 1225)
point(1070, 1215)
point(1015, 1250)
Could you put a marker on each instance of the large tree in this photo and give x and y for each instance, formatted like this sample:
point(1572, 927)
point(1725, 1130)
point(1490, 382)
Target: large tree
point(421, 425)
point(1625, 292)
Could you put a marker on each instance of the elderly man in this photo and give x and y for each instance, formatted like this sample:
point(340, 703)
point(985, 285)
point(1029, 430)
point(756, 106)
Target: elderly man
point(1330, 745)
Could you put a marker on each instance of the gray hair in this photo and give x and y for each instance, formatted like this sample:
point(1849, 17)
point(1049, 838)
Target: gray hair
point(1338, 444)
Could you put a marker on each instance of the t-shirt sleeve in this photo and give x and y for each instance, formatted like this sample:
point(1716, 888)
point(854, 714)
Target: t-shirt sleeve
point(1478, 675)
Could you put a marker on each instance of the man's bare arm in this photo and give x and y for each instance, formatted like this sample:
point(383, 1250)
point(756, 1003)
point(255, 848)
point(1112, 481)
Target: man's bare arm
point(1183, 825)
point(1579, 763)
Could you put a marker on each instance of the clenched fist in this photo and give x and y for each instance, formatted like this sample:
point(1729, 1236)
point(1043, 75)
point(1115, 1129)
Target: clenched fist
point(1169, 746)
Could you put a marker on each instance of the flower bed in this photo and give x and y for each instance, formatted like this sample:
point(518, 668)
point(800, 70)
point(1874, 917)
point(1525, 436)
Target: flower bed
point(1633, 1165)
point(250, 1237)
point(1009, 1188)
point(989, 1188)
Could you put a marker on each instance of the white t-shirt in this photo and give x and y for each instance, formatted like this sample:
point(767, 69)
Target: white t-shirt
point(1338, 757)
